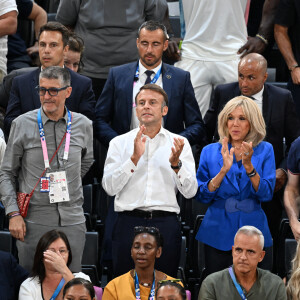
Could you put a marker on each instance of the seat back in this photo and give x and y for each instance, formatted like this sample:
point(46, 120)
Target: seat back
point(290, 251)
point(6, 241)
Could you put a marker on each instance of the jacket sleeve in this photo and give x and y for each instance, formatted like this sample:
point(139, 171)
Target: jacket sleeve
point(87, 101)
point(267, 176)
point(203, 177)
point(211, 116)
point(194, 128)
point(104, 112)
point(88, 152)
point(9, 170)
point(13, 107)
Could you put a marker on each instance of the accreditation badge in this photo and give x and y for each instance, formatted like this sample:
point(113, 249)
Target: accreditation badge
point(58, 187)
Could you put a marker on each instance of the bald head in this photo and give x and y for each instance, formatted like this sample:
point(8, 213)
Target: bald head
point(252, 74)
point(255, 58)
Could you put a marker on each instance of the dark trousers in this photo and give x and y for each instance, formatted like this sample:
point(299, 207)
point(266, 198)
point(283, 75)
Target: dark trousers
point(123, 234)
point(216, 260)
point(295, 90)
point(98, 85)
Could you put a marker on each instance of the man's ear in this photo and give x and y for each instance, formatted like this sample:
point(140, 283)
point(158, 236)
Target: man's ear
point(262, 255)
point(68, 91)
point(166, 45)
point(165, 110)
point(66, 49)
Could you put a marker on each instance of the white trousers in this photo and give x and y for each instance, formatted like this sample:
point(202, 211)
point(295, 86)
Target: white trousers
point(205, 75)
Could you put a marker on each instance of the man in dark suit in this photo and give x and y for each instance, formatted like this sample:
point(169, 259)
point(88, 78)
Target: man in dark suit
point(279, 114)
point(11, 276)
point(115, 109)
point(53, 39)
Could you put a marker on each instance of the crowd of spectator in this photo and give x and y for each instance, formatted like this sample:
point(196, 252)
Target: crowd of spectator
point(106, 94)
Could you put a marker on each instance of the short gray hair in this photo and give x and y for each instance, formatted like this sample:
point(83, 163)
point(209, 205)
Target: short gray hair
point(55, 72)
point(252, 231)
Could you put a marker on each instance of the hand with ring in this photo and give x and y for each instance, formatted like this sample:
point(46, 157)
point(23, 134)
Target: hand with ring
point(247, 154)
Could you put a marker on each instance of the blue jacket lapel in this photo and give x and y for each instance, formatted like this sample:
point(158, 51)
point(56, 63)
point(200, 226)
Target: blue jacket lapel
point(167, 84)
point(129, 81)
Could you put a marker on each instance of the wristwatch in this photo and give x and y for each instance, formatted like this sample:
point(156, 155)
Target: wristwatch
point(179, 165)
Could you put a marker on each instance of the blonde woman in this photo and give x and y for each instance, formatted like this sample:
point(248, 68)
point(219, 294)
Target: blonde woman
point(234, 177)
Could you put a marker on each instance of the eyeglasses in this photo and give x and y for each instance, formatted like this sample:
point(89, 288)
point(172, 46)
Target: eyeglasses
point(51, 91)
point(63, 252)
point(168, 281)
point(140, 229)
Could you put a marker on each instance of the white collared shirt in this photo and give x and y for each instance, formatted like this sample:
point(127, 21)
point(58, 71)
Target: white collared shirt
point(136, 87)
point(258, 98)
point(152, 184)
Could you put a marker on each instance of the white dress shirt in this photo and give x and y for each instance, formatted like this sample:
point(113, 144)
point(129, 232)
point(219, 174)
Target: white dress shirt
point(258, 98)
point(152, 184)
point(136, 87)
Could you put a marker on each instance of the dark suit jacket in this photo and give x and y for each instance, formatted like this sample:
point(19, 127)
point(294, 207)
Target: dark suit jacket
point(114, 107)
point(278, 111)
point(11, 276)
point(24, 97)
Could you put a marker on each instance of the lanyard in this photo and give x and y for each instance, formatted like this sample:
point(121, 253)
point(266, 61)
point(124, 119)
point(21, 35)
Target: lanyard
point(137, 288)
point(43, 139)
point(58, 289)
point(238, 287)
point(137, 75)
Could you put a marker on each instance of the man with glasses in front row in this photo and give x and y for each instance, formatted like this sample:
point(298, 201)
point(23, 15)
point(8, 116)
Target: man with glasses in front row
point(52, 148)
point(244, 280)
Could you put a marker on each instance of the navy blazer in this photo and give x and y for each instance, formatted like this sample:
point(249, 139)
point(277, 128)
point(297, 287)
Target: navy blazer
point(24, 97)
point(114, 107)
point(220, 224)
point(11, 276)
point(279, 113)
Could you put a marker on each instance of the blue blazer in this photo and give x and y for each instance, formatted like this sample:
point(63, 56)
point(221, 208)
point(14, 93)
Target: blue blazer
point(243, 204)
point(114, 107)
point(24, 97)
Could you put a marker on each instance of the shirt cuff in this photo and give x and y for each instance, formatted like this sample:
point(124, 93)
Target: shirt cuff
point(11, 208)
point(129, 167)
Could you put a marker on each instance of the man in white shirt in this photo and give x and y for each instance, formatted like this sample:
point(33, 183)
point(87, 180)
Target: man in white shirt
point(144, 169)
point(215, 31)
point(8, 25)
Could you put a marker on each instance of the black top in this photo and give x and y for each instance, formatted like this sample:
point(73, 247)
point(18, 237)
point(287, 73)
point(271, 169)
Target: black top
point(288, 15)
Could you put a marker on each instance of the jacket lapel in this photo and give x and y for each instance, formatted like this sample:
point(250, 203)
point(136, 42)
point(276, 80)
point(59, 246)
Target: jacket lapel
point(167, 84)
point(267, 107)
point(128, 87)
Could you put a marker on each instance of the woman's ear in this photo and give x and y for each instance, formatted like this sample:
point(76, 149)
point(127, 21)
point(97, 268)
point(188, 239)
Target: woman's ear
point(159, 252)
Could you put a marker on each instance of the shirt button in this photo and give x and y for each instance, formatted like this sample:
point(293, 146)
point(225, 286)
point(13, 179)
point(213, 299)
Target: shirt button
point(131, 170)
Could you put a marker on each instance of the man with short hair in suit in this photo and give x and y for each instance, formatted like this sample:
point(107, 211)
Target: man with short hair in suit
point(53, 40)
point(279, 114)
point(115, 109)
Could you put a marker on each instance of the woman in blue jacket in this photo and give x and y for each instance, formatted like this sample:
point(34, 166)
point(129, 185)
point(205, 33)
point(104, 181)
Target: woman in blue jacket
point(235, 176)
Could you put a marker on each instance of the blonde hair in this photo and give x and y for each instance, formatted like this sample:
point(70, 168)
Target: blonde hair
point(253, 114)
point(293, 287)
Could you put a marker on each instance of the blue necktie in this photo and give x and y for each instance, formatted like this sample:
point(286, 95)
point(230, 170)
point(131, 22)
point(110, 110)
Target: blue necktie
point(148, 73)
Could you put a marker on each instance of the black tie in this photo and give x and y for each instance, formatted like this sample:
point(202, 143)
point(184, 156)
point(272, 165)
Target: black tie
point(148, 73)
